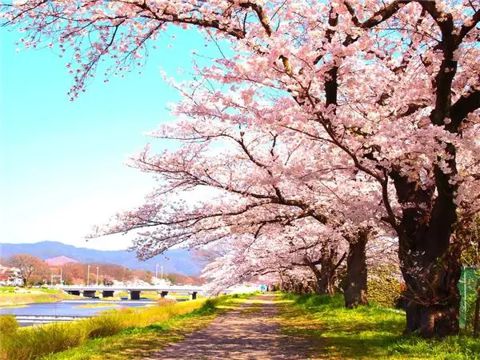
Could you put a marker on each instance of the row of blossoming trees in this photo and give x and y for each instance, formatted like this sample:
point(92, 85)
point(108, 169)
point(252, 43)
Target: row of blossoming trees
point(329, 125)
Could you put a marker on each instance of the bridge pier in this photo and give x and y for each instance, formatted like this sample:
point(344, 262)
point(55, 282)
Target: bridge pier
point(134, 295)
point(107, 293)
point(89, 293)
point(104, 291)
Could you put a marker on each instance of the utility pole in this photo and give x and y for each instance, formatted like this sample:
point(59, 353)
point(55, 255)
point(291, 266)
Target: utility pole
point(156, 271)
point(88, 275)
point(161, 271)
point(97, 276)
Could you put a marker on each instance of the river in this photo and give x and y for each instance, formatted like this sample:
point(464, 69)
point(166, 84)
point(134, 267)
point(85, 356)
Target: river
point(66, 310)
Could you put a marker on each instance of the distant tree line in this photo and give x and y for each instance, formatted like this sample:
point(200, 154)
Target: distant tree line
point(35, 271)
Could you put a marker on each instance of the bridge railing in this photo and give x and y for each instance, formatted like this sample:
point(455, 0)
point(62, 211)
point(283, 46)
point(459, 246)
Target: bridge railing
point(174, 288)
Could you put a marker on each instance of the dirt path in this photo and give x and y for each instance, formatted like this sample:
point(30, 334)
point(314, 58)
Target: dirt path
point(249, 332)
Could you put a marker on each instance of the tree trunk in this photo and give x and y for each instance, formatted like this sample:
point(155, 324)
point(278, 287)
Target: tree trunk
point(428, 260)
point(323, 281)
point(325, 276)
point(433, 299)
point(355, 291)
point(325, 284)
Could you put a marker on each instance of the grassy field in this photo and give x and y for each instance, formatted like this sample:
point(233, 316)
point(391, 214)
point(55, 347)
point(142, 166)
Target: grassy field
point(11, 296)
point(369, 332)
point(116, 334)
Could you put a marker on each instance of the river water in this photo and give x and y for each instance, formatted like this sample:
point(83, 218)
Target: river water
point(66, 310)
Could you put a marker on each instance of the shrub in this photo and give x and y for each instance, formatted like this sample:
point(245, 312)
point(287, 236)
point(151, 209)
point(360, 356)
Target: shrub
point(384, 286)
point(32, 342)
point(8, 325)
point(103, 326)
point(208, 307)
point(165, 301)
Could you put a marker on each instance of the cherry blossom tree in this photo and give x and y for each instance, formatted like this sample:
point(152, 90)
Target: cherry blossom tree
point(270, 257)
point(261, 259)
point(393, 85)
point(280, 190)
point(289, 258)
point(31, 268)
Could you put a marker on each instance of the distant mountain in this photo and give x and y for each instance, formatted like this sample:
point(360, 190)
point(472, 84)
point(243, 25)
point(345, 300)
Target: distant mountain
point(60, 261)
point(173, 261)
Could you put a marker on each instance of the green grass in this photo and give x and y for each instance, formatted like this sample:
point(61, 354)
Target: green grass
point(118, 333)
point(7, 289)
point(368, 332)
point(10, 296)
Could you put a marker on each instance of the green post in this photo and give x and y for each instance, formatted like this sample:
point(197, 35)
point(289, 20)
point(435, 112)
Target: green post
point(462, 287)
point(476, 316)
point(468, 291)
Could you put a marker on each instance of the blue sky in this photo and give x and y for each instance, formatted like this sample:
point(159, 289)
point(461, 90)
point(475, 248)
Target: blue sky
point(61, 162)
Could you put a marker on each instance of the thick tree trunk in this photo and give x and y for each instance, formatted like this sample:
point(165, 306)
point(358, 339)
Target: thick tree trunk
point(433, 299)
point(355, 290)
point(437, 320)
point(428, 259)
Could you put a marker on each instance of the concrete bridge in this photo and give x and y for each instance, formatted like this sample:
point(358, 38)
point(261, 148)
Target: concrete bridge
point(108, 291)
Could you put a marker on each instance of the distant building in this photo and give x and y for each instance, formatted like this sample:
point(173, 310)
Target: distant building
point(160, 282)
point(10, 276)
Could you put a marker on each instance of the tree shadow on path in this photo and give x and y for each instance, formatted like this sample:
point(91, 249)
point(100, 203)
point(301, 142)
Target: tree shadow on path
point(244, 333)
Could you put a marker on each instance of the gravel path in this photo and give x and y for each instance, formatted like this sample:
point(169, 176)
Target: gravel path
point(245, 333)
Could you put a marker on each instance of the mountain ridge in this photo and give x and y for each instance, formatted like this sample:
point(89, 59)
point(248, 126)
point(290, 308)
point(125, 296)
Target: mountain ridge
point(173, 261)
point(60, 260)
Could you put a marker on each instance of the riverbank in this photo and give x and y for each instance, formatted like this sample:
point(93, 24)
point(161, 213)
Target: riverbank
point(14, 297)
point(107, 332)
point(67, 310)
